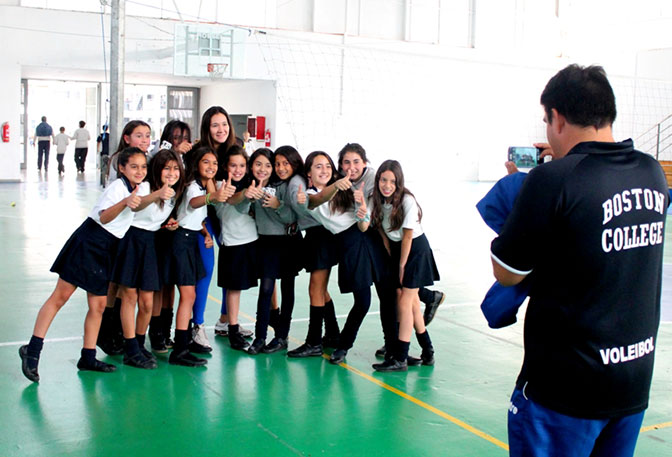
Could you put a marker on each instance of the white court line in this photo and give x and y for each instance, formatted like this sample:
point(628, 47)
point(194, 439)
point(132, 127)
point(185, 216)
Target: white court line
point(211, 327)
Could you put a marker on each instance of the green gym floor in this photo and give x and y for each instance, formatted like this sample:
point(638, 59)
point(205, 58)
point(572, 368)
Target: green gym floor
point(269, 405)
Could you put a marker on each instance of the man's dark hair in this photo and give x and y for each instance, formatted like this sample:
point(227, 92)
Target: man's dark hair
point(583, 95)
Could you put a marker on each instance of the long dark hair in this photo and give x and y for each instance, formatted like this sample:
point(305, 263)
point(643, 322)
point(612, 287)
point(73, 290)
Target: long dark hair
point(196, 157)
point(206, 139)
point(170, 127)
point(128, 130)
point(342, 201)
point(396, 199)
point(156, 166)
point(126, 154)
point(352, 147)
point(294, 158)
point(269, 155)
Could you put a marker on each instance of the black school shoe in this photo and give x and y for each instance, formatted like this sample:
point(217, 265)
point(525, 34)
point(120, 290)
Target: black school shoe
point(256, 347)
point(30, 373)
point(380, 352)
point(185, 359)
point(237, 341)
point(338, 356)
point(426, 358)
point(199, 348)
point(391, 365)
point(138, 360)
point(276, 344)
point(430, 308)
point(95, 365)
point(306, 350)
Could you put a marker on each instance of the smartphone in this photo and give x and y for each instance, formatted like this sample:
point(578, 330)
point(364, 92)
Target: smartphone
point(525, 156)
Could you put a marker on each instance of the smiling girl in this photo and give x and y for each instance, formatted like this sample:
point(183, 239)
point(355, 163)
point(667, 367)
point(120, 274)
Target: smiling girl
point(397, 215)
point(185, 264)
point(136, 269)
point(85, 261)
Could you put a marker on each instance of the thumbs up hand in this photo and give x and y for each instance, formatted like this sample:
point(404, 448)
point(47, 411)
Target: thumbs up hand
point(343, 183)
point(361, 211)
point(254, 192)
point(359, 194)
point(166, 192)
point(133, 201)
point(225, 191)
point(301, 196)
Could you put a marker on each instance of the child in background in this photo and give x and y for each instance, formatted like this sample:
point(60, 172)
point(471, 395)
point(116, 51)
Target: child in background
point(61, 141)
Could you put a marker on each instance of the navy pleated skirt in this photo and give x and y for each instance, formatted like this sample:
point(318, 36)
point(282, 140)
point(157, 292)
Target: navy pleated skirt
point(279, 256)
point(420, 269)
point(183, 263)
point(237, 267)
point(136, 265)
point(87, 258)
point(356, 269)
point(320, 249)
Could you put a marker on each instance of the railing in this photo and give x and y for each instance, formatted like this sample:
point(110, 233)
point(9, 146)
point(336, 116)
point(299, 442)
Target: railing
point(657, 141)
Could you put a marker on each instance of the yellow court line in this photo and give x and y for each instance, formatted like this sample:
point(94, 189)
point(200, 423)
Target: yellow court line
point(655, 427)
point(412, 399)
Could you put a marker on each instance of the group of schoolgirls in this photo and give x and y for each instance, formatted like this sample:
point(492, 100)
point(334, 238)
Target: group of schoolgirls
point(261, 205)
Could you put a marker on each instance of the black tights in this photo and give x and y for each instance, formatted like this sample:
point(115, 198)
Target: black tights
point(286, 307)
point(355, 317)
point(264, 307)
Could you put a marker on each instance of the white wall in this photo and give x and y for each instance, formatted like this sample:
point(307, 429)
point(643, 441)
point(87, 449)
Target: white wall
point(257, 98)
point(460, 107)
point(10, 153)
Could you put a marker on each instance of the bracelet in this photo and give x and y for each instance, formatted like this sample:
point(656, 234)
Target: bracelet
point(207, 198)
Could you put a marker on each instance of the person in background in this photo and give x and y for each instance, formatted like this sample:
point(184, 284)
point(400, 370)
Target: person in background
point(44, 134)
point(81, 137)
point(61, 141)
point(248, 143)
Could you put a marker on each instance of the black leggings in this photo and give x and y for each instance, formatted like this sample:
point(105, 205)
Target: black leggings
point(264, 307)
point(355, 317)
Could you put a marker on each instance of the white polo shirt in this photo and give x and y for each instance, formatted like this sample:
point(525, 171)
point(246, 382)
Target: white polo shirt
point(115, 192)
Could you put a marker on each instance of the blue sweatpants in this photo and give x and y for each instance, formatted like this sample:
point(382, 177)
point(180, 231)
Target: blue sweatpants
point(536, 431)
point(203, 286)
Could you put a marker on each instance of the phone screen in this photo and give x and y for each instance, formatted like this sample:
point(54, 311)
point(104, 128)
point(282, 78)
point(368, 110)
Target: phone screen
point(524, 156)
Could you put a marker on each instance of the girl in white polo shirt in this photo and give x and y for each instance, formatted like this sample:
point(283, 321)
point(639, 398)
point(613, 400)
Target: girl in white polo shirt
point(85, 261)
point(336, 209)
point(397, 215)
point(136, 268)
point(185, 263)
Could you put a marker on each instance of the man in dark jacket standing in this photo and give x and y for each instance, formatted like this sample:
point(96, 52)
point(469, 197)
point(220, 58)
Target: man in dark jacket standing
point(44, 135)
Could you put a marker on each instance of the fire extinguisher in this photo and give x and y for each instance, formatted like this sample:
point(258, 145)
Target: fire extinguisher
point(5, 132)
point(267, 138)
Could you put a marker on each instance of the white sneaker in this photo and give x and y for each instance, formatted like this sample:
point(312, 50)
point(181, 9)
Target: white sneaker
point(245, 332)
point(199, 336)
point(221, 328)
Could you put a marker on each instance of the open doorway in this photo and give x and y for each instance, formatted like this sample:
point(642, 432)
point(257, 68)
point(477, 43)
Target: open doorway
point(64, 104)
